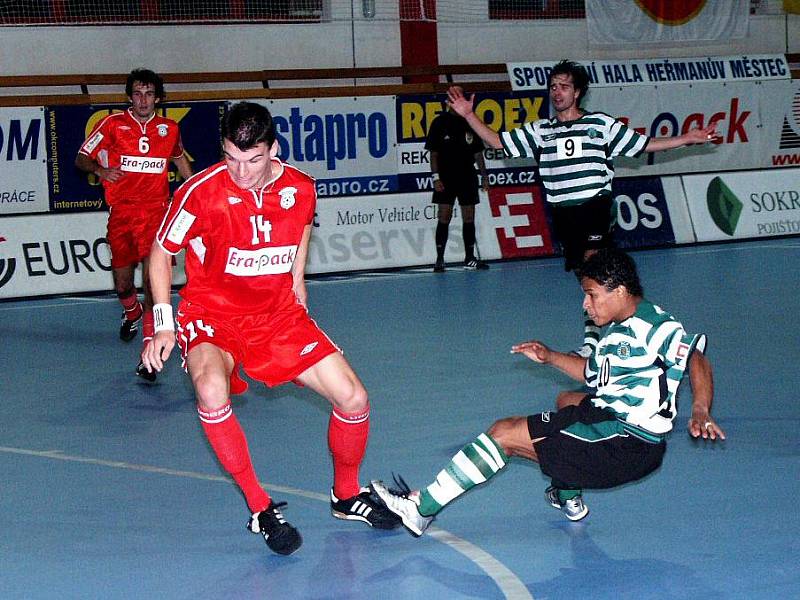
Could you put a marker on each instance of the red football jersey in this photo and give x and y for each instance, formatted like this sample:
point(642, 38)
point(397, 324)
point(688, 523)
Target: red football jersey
point(142, 150)
point(242, 243)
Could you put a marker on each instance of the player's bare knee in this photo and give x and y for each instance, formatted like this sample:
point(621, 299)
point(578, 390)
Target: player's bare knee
point(352, 398)
point(211, 392)
point(503, 432)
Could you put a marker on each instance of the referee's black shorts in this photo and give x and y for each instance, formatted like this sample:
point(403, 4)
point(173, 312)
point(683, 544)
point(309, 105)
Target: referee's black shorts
point(574, 463)
point(464, 188)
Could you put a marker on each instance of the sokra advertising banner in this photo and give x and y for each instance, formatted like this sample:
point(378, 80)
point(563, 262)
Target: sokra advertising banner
point(23, 160)
point(659, 71)
point(728, 206)
point(72, 190)
point(347, 144)
point(499, 110)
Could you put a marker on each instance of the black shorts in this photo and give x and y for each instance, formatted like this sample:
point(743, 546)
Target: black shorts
point(466, 190)
point(582, 227)
point(574, 463)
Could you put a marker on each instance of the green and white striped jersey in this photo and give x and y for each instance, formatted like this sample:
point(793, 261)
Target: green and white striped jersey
point(575, 157)
point(638, 366)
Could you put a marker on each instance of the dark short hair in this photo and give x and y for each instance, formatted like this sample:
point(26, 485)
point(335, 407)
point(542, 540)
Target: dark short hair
point(247, 124)
point(611, 268)
point(580, 79)
point(145, 76)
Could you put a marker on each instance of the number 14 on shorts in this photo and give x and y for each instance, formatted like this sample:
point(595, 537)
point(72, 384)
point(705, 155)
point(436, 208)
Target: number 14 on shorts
point(194, 326)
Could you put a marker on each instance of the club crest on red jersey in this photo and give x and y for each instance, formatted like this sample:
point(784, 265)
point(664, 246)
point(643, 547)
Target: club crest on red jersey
point(287, 197)
point(163, 129)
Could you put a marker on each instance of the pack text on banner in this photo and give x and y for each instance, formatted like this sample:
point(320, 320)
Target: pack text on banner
point(757, 204)
point(23, 161)
point(347, 144)
point(620, 22)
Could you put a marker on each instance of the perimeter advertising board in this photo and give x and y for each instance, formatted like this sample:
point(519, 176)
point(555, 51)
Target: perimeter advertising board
point(727, 206)
point(53, 254)
point(501, 111)
point(347, 144)
point(23, 156)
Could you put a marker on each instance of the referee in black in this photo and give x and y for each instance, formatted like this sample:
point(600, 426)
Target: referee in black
point(454, 150)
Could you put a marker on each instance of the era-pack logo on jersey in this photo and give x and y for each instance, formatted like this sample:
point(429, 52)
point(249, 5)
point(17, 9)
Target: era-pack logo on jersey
point(723, 206)
point(7, 267)
point(287, 197)
point(520, 222)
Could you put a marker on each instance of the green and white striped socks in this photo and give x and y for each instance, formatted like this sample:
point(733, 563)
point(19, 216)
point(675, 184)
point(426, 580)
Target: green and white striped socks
point(475, 463)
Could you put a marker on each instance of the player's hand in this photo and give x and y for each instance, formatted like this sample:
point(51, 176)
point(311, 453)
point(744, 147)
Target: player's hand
point(438, 185)
point(703, 135)
point(458, 102)
point(485, 185)
point(702, 425)
point(534, 350)
point(111, 174)
point(157, 350)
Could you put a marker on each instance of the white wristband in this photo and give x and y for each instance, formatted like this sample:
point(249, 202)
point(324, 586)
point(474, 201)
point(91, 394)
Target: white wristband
point(435, 176)
point(162, 318)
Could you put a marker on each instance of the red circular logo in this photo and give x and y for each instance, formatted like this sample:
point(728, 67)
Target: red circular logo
point(671, 13)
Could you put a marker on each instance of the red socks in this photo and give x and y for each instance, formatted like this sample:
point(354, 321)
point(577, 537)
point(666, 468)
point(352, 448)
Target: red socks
point(230, 445)
point(347, 439)
point(148, 327)
point(131, 305)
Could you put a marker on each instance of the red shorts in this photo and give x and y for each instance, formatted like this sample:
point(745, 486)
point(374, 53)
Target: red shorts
point(273, 348)
point(131, 231)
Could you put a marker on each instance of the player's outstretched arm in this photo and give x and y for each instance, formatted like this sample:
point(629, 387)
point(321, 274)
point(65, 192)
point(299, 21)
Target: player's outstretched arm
point(698, 135)
point(464, 106)
point(701, 424)
point(569, 364)
point(157, 350)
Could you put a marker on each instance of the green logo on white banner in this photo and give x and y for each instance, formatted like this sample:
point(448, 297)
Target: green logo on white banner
point(723, 206)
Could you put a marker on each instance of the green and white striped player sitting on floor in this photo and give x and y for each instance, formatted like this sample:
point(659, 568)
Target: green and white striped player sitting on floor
point(616, 434)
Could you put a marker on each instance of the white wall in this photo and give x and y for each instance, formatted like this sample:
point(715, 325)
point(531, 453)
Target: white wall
point(553, 40)
point(338, 43)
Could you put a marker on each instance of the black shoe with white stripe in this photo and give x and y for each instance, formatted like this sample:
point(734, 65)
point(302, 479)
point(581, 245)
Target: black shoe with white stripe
point(364, 508)
point(280, 536)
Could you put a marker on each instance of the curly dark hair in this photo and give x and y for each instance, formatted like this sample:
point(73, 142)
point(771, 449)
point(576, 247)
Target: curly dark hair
point(611, 268)
point(145, 76)
point(247, 124)
point(580, 79)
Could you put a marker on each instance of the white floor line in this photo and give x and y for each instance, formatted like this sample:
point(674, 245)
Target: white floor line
point(508, 583)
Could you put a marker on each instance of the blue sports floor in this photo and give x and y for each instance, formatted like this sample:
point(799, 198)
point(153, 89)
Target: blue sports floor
point(109, 489)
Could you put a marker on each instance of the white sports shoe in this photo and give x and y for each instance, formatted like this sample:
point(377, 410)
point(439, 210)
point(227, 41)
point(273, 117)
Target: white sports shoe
point(405, 505)
point(574, 508)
